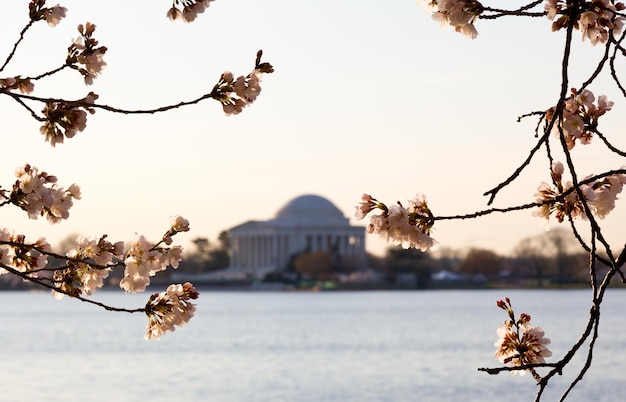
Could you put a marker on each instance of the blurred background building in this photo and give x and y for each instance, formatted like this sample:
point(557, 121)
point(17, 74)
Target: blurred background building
point(306, 224)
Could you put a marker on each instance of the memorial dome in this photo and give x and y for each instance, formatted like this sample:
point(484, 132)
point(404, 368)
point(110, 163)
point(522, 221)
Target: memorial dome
point(312, 209)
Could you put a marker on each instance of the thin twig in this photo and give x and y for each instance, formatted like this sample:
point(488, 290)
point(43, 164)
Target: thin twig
point(16, 44)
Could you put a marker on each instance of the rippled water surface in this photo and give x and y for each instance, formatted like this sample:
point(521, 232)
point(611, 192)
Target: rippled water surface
point(293, 346)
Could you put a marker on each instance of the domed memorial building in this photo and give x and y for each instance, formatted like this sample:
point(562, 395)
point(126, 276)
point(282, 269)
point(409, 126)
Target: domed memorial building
point(306, 224)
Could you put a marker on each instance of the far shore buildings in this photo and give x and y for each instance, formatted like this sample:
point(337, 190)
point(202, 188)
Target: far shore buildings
point(306, 224)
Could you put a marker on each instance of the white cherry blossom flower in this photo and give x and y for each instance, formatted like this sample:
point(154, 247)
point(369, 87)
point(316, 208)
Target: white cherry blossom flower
point(459, 14)
point(93, 278)
point(170, 309)
point(180, 224)
point(407, 226)
point(38, 194)
point(519, 343)
point(144, 260)
point(54, 15)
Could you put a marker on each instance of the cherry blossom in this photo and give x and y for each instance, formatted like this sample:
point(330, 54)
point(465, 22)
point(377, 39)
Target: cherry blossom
point(459, 14)
point(143, 260)
point(580, 117)
point(606, 191)
point(84, 51)
point(600, 195)
point(596, 19)
point(24, 85)
point(236, 94)
point(519, 343)
point(52, 15)
point(65, 119)
point(179, 224)
point(14, 253)
point(187, 10)
point(407, 226)
point(366, 206)
point(170, 309)
point(38, 194)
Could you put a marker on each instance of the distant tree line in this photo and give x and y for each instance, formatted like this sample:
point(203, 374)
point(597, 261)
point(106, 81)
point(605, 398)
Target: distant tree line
point(550, 259)
point(208, 256)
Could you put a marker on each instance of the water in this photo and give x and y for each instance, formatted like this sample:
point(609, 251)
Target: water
point(292, 346)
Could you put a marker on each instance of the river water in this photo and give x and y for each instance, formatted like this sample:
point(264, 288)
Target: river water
point(298, 346)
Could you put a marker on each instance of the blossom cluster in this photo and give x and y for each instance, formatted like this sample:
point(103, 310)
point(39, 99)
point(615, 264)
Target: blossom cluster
point(459, 14)
point(38, 194)
point(14, 253)
point(24, 85)
point(235, 94)
point(580, 116)
point(596, 19)
point(519, 342)
point(66, 118)
point(143, 260)
point(87, 266)
point(170, 309)
point(52, 15)
point(187, 10)
point(408, 226)
point(85, 51)
point(600, 195)
point(90, 262)
point(179, 224)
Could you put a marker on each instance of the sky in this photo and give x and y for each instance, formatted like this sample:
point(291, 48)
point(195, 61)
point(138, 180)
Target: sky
point(367, 97)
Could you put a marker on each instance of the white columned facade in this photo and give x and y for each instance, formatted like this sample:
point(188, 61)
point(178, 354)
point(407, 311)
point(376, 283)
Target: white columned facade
point(307, 223)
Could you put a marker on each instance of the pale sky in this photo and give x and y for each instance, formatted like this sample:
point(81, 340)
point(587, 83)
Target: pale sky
point(367, 96)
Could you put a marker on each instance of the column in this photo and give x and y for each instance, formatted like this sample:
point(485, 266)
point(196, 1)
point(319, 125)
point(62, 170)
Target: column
point(255, 251)
point(248, 252)
point(234, 255)
point(275, 251)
